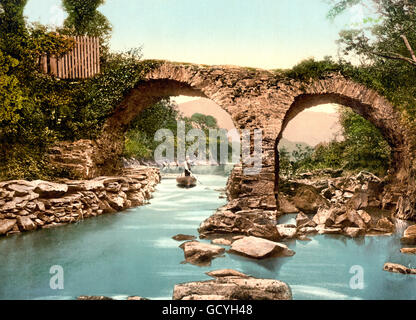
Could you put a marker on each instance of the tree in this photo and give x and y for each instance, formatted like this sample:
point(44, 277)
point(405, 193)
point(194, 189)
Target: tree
point(85, 20)
point(12, 20)
point(365, 147)
point(11, 94)
point(388, 32)
point(284, 161)
point(204, 121)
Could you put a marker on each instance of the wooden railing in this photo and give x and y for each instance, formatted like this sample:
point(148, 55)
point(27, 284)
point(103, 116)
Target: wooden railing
point(82, 62)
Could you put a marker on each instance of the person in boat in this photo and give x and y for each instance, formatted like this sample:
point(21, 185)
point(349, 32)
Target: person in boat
point(187, 167)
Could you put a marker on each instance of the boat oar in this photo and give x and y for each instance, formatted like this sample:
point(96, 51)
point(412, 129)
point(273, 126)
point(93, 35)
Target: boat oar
point(196, 178)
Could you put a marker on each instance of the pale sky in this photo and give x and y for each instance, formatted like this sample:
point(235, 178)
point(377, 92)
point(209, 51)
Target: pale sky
point(257, 33)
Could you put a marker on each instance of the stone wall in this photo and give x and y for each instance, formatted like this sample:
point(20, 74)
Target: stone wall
point(28, 206)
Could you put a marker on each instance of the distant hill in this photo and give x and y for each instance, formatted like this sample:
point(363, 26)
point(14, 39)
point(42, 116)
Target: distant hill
point(291, 146)
point(207, 107)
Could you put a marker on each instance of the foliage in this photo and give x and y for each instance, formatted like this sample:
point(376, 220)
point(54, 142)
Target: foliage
point(11, 16)
point(11, 94)
point(85, 20)
point(363, 148)
point(299, 159)
point(204, 121)
point(140, 137)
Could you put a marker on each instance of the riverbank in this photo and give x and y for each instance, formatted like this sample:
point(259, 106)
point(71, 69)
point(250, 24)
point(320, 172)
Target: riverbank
point(31, 205)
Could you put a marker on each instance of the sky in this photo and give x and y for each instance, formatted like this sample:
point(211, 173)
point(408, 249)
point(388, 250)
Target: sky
point(264, 34)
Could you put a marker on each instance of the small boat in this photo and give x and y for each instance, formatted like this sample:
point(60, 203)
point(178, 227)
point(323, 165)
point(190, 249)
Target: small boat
point(186, 182)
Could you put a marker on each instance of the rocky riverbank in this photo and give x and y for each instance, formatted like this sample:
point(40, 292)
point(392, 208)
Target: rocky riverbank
point(28, 206)
point(325, 203)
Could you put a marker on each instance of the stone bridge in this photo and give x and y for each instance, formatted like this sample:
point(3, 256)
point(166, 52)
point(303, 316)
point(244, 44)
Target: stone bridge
point(254, 98)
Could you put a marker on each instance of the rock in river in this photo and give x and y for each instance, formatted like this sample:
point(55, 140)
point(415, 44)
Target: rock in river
point(398, 268)
point(226, 273)
point(259, 248)
point(408, 250)
point(233, 288)
point(183, 237)
point(409, 236)
point(199, 253)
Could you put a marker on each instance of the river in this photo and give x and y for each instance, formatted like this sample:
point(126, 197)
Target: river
point(132, 253)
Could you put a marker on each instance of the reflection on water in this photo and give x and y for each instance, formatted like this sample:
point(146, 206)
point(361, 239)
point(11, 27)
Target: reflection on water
point(132, 253)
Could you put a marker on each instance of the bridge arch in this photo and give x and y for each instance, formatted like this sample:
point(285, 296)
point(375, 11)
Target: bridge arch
point(365, 102)
point(255, 99)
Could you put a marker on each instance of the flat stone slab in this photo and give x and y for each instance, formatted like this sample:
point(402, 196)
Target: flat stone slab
point(398, 268)
point(226, 273)
point(233, 288)
point(183, 237)
point(408, 250)
point(259, 248)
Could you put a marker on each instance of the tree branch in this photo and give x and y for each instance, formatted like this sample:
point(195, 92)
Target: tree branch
point(409, 47)
point(394, 56)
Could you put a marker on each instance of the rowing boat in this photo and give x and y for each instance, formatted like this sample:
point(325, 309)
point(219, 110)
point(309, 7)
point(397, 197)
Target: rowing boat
point(186, 182)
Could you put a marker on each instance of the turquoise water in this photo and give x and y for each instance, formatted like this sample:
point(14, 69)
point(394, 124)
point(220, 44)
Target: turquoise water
point(132, 253)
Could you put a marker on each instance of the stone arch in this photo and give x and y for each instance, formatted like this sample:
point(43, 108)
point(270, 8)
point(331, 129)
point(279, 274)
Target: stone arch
point(225, 85)
point(365, 102)
point(255, 99)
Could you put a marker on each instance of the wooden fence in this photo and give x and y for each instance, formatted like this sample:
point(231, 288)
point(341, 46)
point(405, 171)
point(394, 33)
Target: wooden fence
point(80, 63)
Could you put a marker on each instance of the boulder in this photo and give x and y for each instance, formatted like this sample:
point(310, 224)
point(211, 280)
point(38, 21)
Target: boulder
point(286, 206)
point(183, 237)
point(353, 232)
point(221, 241)
point(287, 231)
point(409, 236)
point(307, 230)
point(6, 225)
point(98, 298)
point(136, 298)
point(408, 250)
point(116, 200)
point(325, 217)
point(201, 254)
point(309, 200)
point(322, 229)
point(259, 248)
point(26, 224)
point(233, 288)
point(358, 201)
point(212, 297)
point(398, 268)
point(50, 189)
point(226, 273)
point(20, 189)
point(302, 219)
point(365, 216)
point(385, 225)
point(258, 223)
point(343, 220)
point(355, 218)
